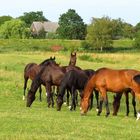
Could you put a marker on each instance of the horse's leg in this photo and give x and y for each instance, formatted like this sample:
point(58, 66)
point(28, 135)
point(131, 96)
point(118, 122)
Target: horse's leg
point(25, 86)
point(100, 106)
point(76, 97)
point(127, 102)
point(97, 99)
point(68, 95)
point(104, 98)
point(134, 103)
point(52, 94)
point(73, 104)
point(48, 93)
point(107, 106)
point(40, 91)
point(116, 103)
point(91, 101)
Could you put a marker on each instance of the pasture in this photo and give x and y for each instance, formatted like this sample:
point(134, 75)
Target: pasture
point(17, 122)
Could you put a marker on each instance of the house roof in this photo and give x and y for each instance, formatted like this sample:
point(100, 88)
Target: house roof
point(47, 26)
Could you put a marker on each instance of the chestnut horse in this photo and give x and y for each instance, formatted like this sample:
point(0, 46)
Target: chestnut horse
point(116, 81)
point(31, 70)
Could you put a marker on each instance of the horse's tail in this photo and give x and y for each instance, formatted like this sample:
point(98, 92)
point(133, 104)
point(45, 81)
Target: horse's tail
point(136, 78)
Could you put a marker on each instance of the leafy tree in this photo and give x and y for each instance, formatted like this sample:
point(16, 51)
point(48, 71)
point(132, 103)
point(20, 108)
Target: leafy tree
point(128, 30)
point(4, 18)
point(99, 33)
point(14, 28)
point(117, 28)
point(71, 26)
point(137, 40)
point(28, 18)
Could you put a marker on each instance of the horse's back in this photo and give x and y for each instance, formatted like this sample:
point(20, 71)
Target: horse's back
point(31, 70)
point(114, 80)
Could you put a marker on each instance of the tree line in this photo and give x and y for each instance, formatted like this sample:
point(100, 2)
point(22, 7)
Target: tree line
point(97, 35)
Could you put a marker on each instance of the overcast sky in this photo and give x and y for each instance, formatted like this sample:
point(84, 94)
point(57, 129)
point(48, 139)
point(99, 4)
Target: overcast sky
point(128, 10)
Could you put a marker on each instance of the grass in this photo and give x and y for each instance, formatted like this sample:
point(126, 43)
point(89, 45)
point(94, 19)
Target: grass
point(39, 122)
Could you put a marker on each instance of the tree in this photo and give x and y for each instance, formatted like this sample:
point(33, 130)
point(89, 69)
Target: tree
point(71, 26)
point(4, 18)
point(99, 33)
point(128, 30)
point(117, 28)
point(28, 18)
point(14, 28)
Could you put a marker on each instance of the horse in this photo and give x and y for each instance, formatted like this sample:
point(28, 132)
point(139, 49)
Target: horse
point(31, 70)
point(50, 74)
point(73, 80)
point(73, 58)
point(116, 81)
point(116, 102)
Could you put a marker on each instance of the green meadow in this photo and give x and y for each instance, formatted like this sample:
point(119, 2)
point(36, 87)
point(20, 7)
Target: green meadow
point(17, 122)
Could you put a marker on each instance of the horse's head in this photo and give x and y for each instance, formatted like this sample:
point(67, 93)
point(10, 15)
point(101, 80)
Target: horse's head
point(59, 102)
point(51, 60)
point(30, 98)
point(73, 59)
point(84, 106)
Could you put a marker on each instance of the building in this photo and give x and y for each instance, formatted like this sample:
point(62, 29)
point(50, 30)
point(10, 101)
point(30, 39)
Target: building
point(47, 26)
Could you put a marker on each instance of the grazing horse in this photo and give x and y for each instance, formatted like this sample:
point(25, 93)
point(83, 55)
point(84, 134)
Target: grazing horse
point(31, 70)
point(116, 102)
point(116, 81)
point(73, 80)
point(50, 74)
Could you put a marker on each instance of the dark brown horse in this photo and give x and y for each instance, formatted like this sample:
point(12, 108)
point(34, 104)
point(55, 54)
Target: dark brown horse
point(31, 70)
point(116, 81)
point(74, 80)
point(49, 75)
point(116, 102)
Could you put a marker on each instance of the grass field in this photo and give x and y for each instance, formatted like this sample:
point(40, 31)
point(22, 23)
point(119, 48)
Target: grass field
point(41, 123)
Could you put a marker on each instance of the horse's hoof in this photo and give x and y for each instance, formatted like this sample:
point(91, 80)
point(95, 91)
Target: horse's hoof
point(23, 98)
point(107, 115)
point(64, 103)
point(97, 109)
point(138, 116)
point(114, 114)
point(98, 114)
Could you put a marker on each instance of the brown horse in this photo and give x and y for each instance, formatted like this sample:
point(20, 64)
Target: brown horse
point(31, 70)
point(116, 81)
point(73, 59)
point(49, 75)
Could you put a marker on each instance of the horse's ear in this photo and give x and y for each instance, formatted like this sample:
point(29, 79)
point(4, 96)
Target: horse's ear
point(54, 58)
point(136, 78)
point(50, 57)
point(75, 53)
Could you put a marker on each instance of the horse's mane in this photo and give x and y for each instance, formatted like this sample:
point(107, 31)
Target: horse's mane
point(46, 61)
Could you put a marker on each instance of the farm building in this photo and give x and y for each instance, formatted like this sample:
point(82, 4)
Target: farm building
point(47, 26)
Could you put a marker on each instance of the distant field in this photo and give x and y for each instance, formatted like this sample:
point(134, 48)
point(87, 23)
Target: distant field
point(11, 45)
point(39, 122)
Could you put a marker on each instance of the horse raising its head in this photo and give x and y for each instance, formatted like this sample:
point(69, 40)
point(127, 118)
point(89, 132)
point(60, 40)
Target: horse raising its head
point(73, 59)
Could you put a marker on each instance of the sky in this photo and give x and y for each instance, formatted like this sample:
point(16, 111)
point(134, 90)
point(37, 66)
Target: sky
point(127, 10)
